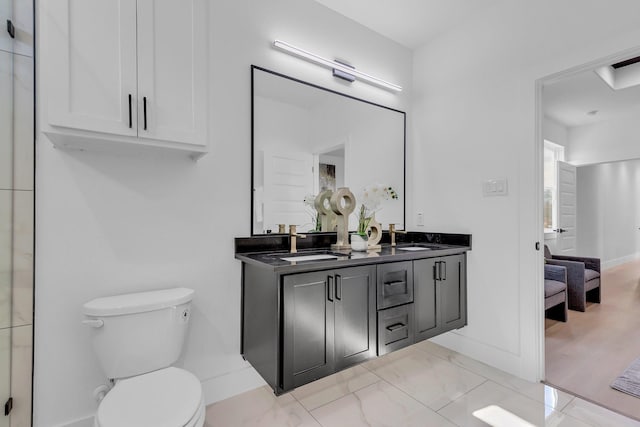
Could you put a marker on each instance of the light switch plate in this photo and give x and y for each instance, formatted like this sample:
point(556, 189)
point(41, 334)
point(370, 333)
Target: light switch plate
point(420, 219)
point(495, 187)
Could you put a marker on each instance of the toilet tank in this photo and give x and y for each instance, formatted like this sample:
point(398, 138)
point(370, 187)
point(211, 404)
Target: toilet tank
point(139, 332)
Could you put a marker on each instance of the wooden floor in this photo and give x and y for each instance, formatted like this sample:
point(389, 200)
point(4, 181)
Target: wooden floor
point(585, 354)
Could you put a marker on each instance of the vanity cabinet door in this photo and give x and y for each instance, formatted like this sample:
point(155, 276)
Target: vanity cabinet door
point(441, 295)
point(426, 298)
point(355, 315)
point(308, 327)
point(453, 292)
point(91, 64)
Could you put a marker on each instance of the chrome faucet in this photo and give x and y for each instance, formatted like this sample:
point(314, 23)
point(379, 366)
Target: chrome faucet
point(292, 238)
point(393, 232)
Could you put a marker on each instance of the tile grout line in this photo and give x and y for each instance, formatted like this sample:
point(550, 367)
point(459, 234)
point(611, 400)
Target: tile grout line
point(337, 398)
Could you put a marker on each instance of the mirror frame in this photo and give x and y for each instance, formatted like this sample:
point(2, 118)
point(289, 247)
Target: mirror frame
point(404, 143)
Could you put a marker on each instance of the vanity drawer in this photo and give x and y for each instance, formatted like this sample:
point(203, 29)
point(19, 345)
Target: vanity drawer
point(395, 284)
point(395, 328)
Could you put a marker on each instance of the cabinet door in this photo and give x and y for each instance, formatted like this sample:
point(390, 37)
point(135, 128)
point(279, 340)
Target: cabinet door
point(426, 298)
point(308, 326)
point(91, 64)
point(355, 315)
point(172, 70)
point(453, 292)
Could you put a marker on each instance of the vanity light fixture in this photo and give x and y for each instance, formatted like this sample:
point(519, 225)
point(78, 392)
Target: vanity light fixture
point(338, 67)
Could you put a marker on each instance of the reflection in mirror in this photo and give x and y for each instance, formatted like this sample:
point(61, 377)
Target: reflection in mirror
point(308, 142)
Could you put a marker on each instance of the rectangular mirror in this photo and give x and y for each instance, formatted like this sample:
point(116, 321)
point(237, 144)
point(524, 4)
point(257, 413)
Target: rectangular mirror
point(307, 139)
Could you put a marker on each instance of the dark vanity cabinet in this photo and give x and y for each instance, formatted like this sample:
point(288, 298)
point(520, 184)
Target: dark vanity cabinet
point(440, 295)
point(302, 321)
point(328, 322)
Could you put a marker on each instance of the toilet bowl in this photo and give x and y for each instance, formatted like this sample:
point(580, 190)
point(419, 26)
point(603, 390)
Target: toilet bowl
point(169, 397)
point(137, 337)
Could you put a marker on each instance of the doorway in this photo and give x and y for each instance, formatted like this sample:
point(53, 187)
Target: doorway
point(590, 111)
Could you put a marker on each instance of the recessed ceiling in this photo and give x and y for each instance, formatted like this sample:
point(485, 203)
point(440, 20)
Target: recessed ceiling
point(570, 100)
point(411, 23)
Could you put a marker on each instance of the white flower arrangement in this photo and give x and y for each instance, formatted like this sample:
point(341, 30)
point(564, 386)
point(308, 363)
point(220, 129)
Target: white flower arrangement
point(372, 197)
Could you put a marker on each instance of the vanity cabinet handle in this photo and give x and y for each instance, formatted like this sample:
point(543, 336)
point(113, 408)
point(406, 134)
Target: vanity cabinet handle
point(130, 114)
point(144, 111)
point(395, 326)
point(338, 287)
point(443, 268)
point(12, 32)
point(330, 288)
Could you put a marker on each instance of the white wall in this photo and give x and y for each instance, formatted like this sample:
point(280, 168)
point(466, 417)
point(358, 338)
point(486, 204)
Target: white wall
point(108, 224)
point(608, 212)
point(608, 141)
point(557, 133)
point(474, 118)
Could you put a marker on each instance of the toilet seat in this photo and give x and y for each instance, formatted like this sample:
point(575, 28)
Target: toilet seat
point(169, 397)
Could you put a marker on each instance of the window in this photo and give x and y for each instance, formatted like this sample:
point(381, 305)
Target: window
point(552, 154)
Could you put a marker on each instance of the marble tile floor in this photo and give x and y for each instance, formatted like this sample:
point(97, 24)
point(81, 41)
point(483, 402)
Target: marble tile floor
point(422, 385)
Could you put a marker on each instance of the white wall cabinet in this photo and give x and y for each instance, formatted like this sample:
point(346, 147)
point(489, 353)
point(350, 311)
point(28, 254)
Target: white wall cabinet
point(126, 72)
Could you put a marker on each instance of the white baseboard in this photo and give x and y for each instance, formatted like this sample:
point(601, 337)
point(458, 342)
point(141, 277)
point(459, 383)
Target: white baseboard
point(619, 261)
point(231, 384)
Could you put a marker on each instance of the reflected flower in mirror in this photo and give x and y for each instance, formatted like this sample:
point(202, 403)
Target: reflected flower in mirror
point(309, 207)
point(371, 198)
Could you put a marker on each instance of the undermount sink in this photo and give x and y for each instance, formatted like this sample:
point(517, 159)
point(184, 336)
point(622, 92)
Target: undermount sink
point(414, 248)
point(317, 257)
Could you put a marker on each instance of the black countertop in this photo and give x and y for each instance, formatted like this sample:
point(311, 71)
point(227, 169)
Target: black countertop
point(267, 251)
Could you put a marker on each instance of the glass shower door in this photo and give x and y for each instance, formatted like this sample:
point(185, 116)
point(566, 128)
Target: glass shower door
point(6, 210)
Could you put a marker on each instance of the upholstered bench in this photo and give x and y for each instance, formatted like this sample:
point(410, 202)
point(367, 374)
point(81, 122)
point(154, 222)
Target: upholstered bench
point(555, 292)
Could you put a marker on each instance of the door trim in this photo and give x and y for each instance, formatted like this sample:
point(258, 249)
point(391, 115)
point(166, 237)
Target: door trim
point(539, 189)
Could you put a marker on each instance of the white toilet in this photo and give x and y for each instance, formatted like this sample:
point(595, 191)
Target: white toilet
point(137, 338)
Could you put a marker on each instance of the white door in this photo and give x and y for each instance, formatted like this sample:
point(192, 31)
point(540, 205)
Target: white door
point(288, 178)
point(567, 207)
point(172, 70)
point(90, 64)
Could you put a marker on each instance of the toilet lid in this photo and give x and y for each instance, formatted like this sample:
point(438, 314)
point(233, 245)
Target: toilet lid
point(169, 397)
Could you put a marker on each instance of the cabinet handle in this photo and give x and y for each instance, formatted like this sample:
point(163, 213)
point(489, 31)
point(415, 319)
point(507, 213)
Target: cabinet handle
point(338, 287)
point(436, 271)
point(11, 29)
point(330, 288)
point(394, 282)
point(144, 111)
point(395, 326)
point(130, 114)
point(443, 268)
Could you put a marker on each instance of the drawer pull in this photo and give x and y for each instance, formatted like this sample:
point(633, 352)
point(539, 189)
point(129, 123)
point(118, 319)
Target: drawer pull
point(396, 326)
point(395, 282)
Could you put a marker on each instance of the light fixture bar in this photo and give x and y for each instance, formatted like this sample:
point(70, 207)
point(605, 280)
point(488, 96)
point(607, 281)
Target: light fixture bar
point(335, 65)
